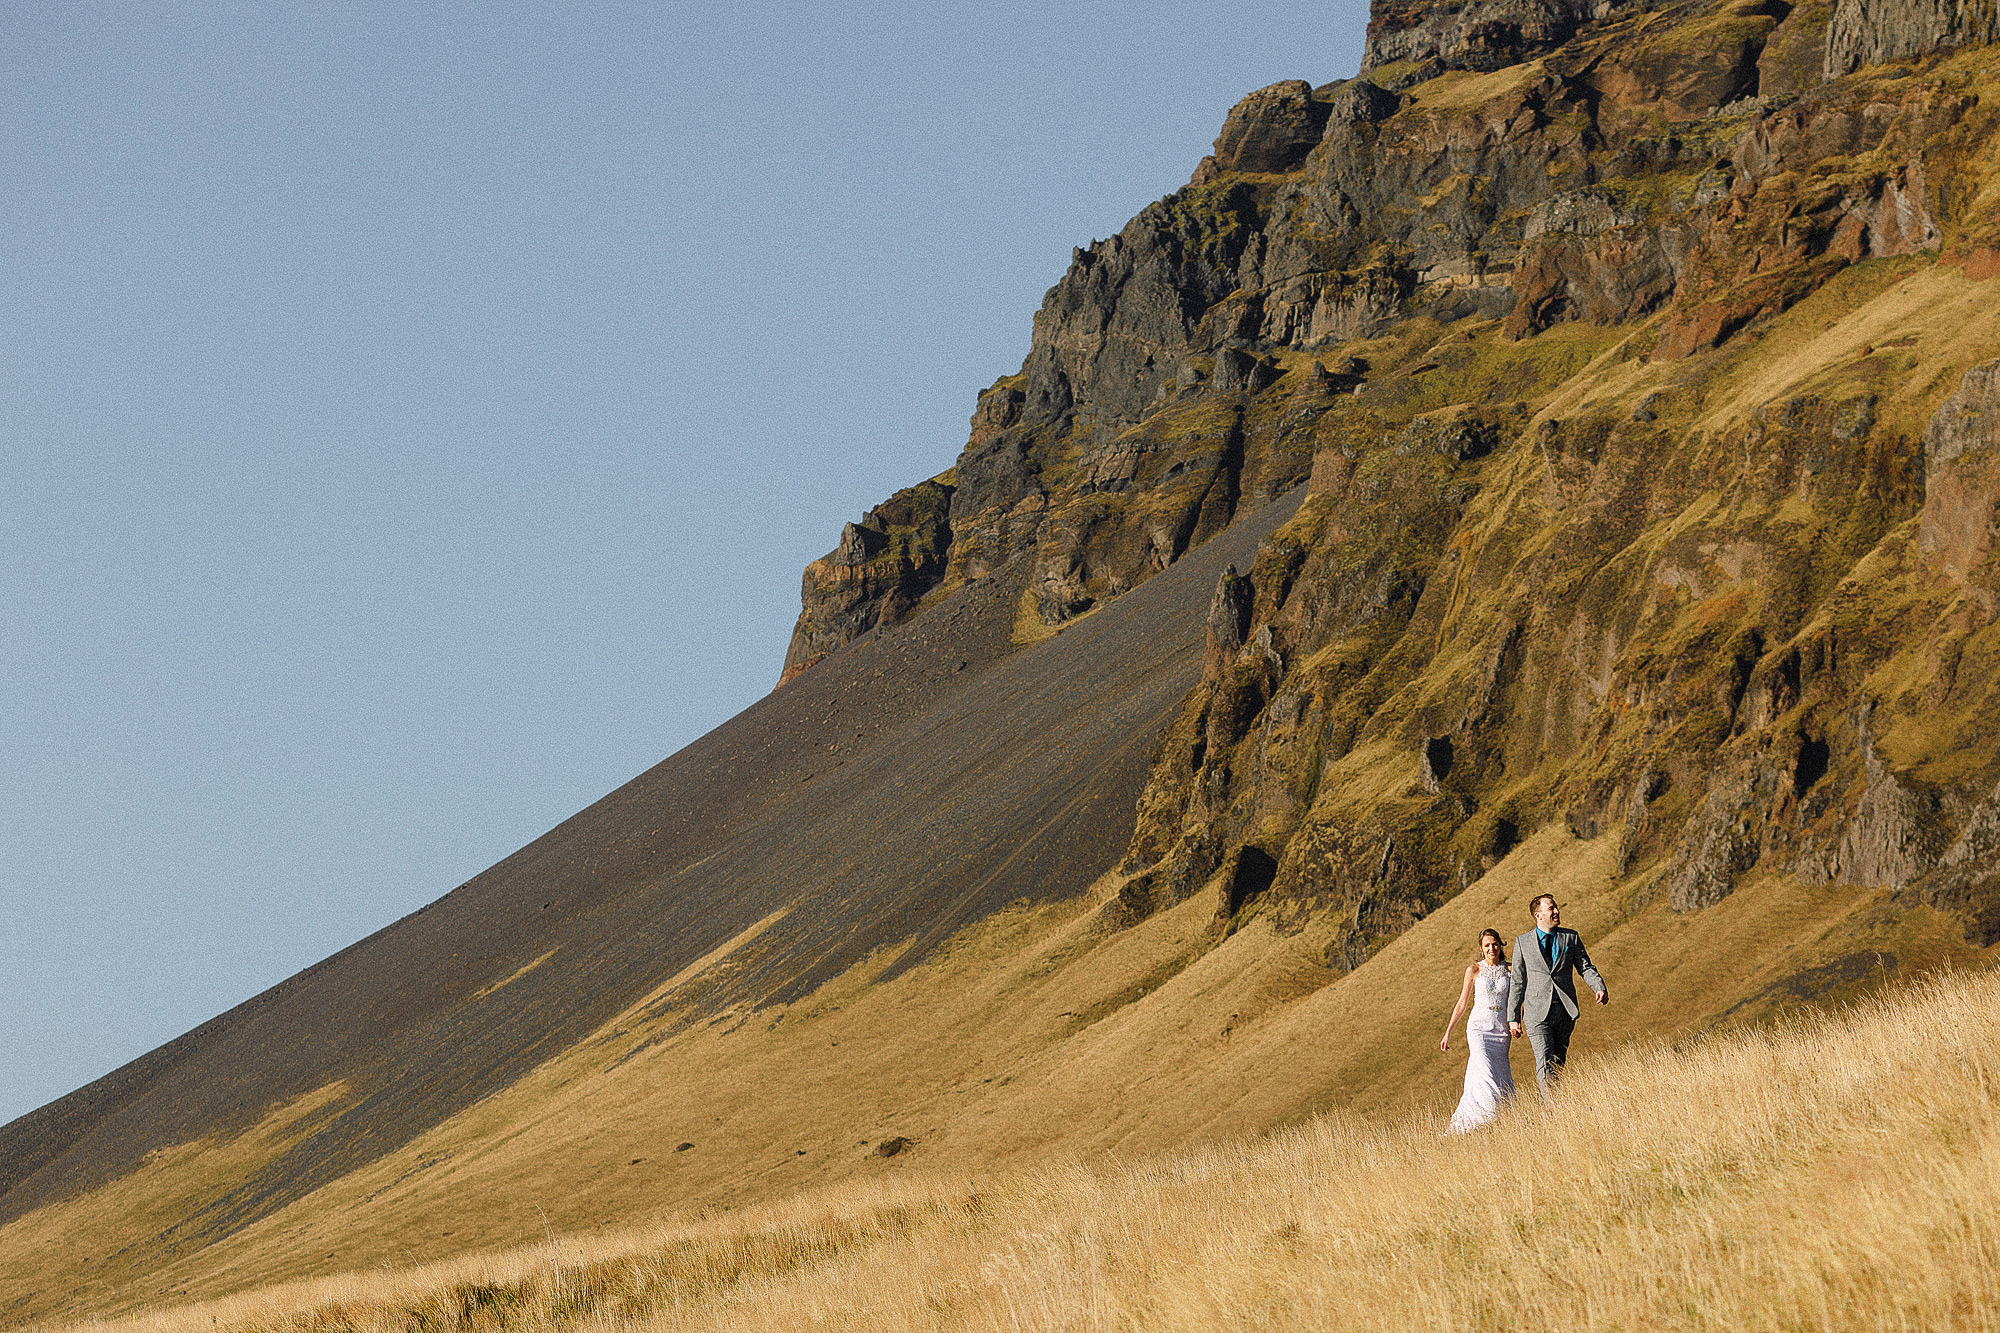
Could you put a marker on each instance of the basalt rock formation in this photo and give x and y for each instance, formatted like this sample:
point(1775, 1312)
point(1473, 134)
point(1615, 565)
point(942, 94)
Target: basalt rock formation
point(1564, 456)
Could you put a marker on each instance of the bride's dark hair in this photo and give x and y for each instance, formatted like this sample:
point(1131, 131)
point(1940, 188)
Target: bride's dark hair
point(1497, 940)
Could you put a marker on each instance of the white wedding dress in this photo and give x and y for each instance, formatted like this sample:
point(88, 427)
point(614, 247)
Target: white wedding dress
point(1488, 1078)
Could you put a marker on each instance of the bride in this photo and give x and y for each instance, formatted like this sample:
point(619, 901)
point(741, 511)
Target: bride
point(1488, 1079)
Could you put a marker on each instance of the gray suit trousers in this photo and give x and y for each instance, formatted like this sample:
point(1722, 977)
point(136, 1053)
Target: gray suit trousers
point(1549, 1035)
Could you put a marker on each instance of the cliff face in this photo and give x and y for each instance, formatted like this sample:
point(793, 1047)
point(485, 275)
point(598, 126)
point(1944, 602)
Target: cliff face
point(1535, 164)
point(1602, 527)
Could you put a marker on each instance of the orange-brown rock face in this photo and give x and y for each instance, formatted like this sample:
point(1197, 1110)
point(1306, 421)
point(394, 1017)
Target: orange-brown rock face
point(1586, 258)
point(1812, 188)
point(1684, 71)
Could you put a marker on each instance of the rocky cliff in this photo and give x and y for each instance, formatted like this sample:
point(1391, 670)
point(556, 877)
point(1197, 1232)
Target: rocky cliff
point(1595, 533)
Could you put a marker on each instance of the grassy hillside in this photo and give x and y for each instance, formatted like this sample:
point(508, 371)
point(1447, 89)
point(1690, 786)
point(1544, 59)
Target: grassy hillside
point(1018, 1045)
point(1833, 1171)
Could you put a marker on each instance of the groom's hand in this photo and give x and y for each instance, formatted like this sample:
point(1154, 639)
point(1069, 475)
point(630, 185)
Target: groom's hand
point(1604, 997)
point(1514, 1028)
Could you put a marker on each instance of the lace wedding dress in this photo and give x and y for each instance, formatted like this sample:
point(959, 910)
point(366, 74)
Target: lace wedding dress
point(1488, 1079)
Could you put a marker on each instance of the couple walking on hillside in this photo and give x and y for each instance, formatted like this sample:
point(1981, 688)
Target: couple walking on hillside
point(1537, 994)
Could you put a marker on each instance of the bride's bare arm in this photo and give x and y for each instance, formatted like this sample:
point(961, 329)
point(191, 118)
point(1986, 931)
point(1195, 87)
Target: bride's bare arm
point(1458, 1011)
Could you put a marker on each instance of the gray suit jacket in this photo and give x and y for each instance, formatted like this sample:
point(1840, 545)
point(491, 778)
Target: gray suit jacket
point(1536, 987)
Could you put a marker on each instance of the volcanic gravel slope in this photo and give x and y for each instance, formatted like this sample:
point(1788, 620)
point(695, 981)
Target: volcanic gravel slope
point(912, 783)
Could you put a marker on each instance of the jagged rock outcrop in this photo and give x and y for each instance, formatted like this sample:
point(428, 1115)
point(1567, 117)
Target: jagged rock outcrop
point(1270, 130)
point(1721, 842)
point(1874, 32)
point(1794, 57)
point(1360, 102)
point(1961, 512)
point(1739, 733)
point(1228, 620)
point(1893, 833)
point(1585, 257)
point(1967, 879)
point(1810, 188)
point(1685, 70)
point(1481, 35)
point(880, 571)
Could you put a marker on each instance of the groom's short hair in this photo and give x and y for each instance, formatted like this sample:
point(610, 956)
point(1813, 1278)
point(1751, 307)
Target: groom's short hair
point(1535, 903)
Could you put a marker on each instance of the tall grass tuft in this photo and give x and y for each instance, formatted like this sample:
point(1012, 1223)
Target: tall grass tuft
point(1842, 1172)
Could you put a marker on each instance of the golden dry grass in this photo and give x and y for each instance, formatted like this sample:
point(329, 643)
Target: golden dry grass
point(1016, 1046)
point(1836, 1172)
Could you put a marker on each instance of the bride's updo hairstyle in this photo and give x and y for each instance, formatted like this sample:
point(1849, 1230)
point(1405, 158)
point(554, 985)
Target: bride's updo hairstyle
point(1494, 935)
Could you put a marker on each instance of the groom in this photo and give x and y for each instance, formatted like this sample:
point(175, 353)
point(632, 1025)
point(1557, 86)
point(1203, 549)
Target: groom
point(1545, 989)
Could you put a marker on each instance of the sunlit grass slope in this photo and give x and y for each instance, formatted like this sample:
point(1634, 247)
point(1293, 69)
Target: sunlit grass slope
point(1835, 1171)
point(1013, 1049)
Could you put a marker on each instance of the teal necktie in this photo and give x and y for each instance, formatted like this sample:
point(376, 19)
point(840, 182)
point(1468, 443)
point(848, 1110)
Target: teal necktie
point(1547, 940)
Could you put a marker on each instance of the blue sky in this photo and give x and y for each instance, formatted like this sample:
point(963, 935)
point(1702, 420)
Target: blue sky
point(414, 417)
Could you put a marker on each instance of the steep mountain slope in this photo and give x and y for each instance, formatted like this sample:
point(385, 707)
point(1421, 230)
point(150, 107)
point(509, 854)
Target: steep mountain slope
point(1563, 457)
point(921, 781)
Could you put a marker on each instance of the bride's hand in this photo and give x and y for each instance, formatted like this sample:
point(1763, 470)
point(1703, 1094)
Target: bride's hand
point(1444, 1042)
